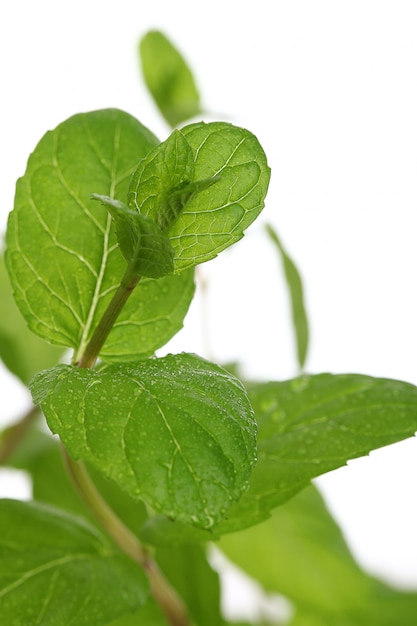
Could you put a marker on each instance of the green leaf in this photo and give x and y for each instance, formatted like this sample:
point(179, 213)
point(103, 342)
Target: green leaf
point(177, 432)
point(55, 569)
point(295, 286)
point(23, 353)
point(300, 553)
point(201, 590)
point(314, 424)
point(144, 246)
point(161, 185)
point(213, 216)
point(62, 256)
point(149, 615)
point(168, 78)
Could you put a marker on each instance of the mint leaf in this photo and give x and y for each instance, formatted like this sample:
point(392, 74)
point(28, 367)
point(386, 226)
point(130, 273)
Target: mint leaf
point(177, 432)
point(206, 183)
point(22, 352)
point(295, 286)
point(62, 255)
point(314, 424)
point(166, 168)
point(168, 78)
point(145, 247)
point(161, 185)
point(56, 569)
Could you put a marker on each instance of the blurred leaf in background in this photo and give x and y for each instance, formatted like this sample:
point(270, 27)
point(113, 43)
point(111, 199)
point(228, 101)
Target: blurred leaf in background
point(168, 78)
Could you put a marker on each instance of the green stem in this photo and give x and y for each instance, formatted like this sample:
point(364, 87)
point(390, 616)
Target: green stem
point(127, 285)
point(163, 593)
point(12, 436)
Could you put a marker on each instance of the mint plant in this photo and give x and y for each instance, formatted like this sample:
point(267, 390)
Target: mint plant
point(167, 453)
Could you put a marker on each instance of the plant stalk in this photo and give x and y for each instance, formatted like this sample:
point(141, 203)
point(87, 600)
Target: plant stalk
point(163, 593)
point(124, 290)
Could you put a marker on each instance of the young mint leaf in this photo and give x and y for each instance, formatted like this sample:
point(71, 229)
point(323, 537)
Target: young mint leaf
point(295, 286)
point(177, 432)
point(145, 247)
point(56, 569)
point(62, 255)
point(23, 353)
point(167, 167)
point(168, 78)
point(228, 167)
point(314, 424)
point(161, 185)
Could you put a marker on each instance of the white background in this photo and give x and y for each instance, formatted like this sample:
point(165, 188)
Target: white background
point(330, 89)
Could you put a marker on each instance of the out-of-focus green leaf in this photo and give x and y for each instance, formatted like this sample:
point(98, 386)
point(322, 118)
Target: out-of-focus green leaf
point(300, 553)
point(41, 457)
point(56, 569)
point(313, 424)
point(295, 286)
point(190, 573)
point(149, 615)
point(23, 353)
point(168, 78)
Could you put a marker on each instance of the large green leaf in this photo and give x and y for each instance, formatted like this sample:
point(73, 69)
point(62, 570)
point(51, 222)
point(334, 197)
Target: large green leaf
point(177, 432)
point(295, 286)
point(314, 424)
point(300, 553)
point(55, 569)
point(22, 351)
point(307, 427)
point(168, 78)
point(62, 255)
point(229, 171)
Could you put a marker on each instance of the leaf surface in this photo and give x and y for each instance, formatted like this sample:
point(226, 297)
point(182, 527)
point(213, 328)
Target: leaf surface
point(55, 569)
point(177, 432)
point(23, 353)
point(225, 172)
point(62, 255)
point(295, 286)
point(313, 424)
point(168, 78)
point(201, 590)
